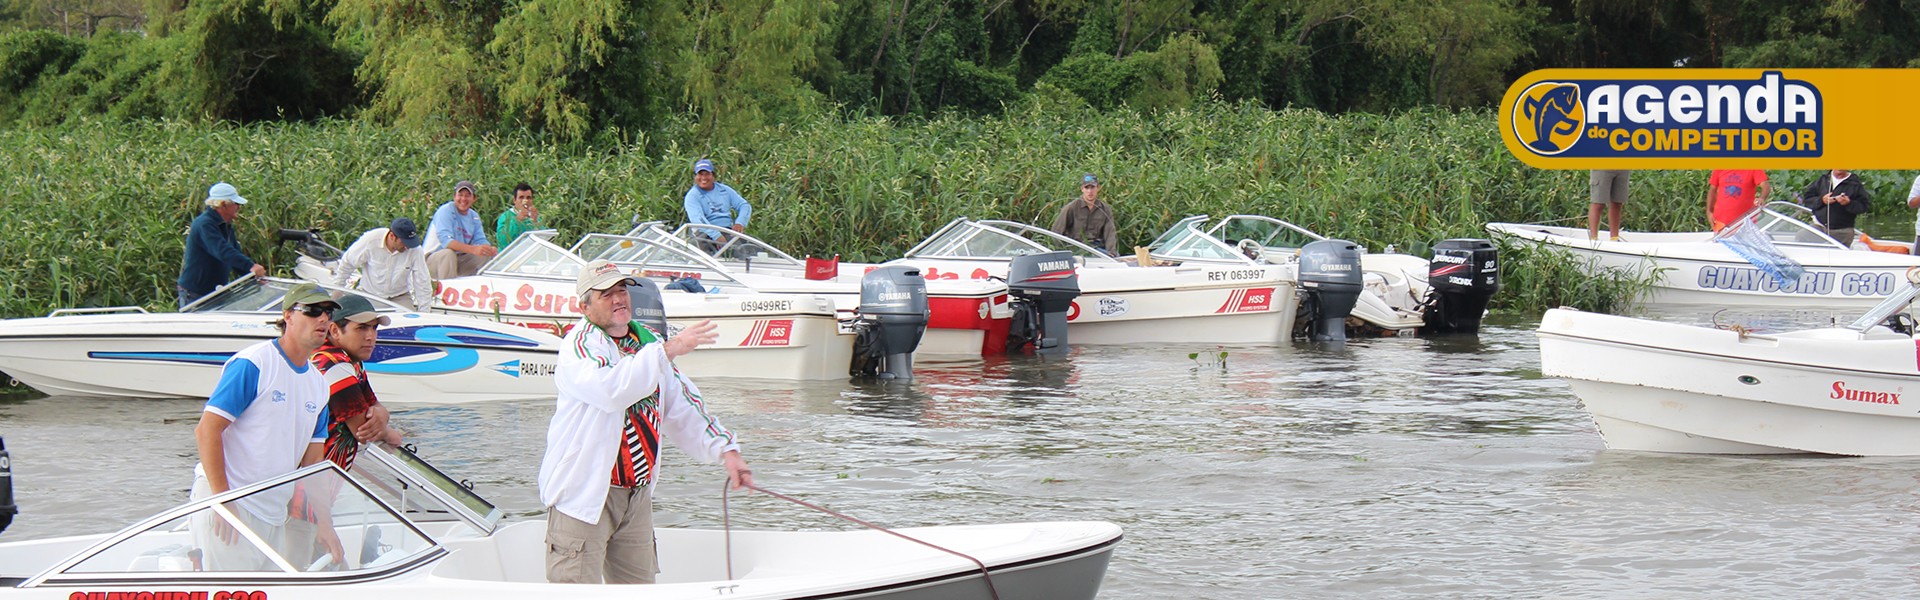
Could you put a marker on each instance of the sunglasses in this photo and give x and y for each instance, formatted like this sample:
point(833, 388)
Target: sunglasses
point(314, 310)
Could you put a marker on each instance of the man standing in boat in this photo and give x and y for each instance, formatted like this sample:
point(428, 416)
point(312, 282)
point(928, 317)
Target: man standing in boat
point(619, 393)
point(1836, 198)
point(1089, 220)
point(267, 416)
point(391, 265)
point(213, 254)
point(1606, 190)
point(1733, 192)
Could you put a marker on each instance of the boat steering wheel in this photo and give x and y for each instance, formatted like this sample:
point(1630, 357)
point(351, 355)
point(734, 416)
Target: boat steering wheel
point(1252, 249)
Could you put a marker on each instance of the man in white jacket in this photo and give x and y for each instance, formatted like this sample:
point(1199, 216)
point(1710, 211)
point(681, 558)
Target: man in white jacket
point(619, 393)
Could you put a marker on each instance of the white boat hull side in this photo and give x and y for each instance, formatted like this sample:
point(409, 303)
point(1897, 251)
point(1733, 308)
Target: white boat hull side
point(776, 346)
point(1695, 270)
point(1678, 388)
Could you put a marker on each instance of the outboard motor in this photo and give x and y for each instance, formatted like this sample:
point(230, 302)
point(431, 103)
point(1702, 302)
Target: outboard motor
point(893, 317)
point(310, 244)
point(1041, 288)
point(1464, 274)
point(644, 300)
point(1330, 284)
point(7, 507)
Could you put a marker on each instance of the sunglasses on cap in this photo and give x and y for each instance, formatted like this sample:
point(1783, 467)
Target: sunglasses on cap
point(314, 310)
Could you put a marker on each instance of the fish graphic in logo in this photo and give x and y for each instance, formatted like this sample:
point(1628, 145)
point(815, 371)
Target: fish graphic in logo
point(1549, 117)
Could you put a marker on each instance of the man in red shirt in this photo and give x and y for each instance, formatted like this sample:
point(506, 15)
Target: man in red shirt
point(1731, 193)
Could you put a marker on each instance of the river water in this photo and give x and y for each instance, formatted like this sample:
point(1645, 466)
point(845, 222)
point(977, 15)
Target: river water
point(1392, 468)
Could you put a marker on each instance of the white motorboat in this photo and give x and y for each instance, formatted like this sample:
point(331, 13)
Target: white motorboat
point(774, 336)
point(411, 532)
point(128, 352)
point(1400, 293)
point(1702, 268)
point(1667, 387)
point(966, 319)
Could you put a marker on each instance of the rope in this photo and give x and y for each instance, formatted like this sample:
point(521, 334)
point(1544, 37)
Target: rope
point(726, 524)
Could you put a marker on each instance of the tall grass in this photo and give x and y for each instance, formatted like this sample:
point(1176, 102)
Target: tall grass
point(94, 213)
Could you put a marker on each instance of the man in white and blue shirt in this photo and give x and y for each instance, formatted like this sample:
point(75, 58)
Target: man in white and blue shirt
point(456, 238)
point(267, 416)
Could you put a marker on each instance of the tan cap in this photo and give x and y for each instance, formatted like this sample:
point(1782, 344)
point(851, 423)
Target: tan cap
point(600, 275)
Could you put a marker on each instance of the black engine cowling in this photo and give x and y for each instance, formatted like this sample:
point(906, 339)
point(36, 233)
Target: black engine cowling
point(1042, 288)
point(1462, 277)
point(7, 507)
point(893, 318)
point(648, 308)
point(1330, 285)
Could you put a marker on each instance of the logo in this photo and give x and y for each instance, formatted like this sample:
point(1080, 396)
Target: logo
point(771, 332)
point(1549, 117)
point(1643, 114)
point(1113, 307)
point(312, 407)
point(279, 396)
point(1842, 392)
point(1247, 300)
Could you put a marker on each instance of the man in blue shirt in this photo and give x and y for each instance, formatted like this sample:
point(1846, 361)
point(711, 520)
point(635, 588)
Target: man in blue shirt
point(710, 202)
point(456, 238)
point(213, 255)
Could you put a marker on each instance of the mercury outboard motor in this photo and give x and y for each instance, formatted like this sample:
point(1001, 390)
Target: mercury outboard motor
point(1464, 274)
point(7, 507)
point(643, 299)
point(893, 317)
point(1330, 284)
point(1041, 289)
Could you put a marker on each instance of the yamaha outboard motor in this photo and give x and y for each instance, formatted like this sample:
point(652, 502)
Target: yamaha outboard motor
point(1041, 289)
point(7, 508)
point(1330, 284)
point(1464, 274)
point(647, 307)
point(893, 317)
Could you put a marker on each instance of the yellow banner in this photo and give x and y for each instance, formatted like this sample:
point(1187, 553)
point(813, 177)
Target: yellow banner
point(1713, 118)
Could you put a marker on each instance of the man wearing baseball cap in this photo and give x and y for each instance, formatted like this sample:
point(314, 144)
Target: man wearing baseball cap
point(456, 238)
point(213, 254)
point(390, 264)
point(266, 416)
point(354, 416)
point(1088, 219)
point(619, 393)
point(710, 202)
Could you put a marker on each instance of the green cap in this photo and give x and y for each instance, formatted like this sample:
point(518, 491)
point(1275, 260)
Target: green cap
point(357, 309)
point(305, 293)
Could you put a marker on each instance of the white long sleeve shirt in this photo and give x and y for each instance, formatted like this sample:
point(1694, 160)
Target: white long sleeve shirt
point(597, 383)
point(384, 273)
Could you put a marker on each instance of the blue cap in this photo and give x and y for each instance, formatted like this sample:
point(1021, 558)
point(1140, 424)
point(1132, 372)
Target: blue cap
point(404, 229)
point(1089, 179)
point(225, 191)
point(703, 165)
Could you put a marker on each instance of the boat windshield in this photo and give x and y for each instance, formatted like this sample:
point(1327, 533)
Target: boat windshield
point(1783, 223)
point(534, 254)
point(1185, 241)
point(1002, 240)
point(660, 258)
point(1268, 232)
point(1893, 304)
point(262, 295)
point(734, 248)
point(379, 514)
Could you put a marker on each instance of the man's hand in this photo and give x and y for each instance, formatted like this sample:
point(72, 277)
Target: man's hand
point(739, 227)
point(487, 251)
point(738, 475)
point(258, 270)
point(331, 539)
point(374, 427)
point(700, 334)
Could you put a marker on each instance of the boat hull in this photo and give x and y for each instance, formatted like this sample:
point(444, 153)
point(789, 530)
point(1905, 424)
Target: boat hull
point(1667, 387)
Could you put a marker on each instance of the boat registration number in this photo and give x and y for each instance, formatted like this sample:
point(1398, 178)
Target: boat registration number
point(1235, 275)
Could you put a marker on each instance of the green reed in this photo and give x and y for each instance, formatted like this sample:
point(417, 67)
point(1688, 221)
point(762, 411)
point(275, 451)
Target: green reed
point(95, 212)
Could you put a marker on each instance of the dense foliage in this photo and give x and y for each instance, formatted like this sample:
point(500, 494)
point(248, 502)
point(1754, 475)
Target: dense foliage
point(610, 71)
point(96, 211)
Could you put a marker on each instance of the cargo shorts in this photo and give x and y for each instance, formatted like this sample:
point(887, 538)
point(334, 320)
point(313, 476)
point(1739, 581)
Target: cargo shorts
point(618, 549)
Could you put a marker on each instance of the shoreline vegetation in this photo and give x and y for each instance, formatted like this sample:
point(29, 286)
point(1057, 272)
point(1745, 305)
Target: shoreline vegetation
point(97, 210)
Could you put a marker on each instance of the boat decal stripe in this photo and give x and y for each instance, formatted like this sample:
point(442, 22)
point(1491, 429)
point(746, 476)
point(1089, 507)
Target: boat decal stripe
point(197, 358)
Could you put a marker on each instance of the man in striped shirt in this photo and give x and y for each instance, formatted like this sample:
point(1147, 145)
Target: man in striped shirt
point(618, 393)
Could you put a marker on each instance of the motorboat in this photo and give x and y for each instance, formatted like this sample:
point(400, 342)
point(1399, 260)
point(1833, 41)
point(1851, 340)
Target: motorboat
point(1668, 387)
point(129, 352)
point(530, 283)
point(1741, 265)
point(966, 319)
point(410, 531)
point(1398, 293)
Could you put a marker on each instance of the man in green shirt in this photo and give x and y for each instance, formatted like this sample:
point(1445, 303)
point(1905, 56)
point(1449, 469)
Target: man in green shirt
point(523, 218)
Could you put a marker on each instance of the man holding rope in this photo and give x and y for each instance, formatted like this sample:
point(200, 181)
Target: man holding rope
point(618, 390)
